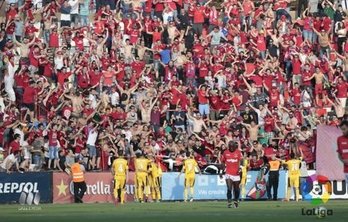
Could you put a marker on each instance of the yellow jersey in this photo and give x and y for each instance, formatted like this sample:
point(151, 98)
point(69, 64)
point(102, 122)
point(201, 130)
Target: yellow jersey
point(190, 167)
point(293, 167)
point(141, 165)
point(154, 170)
point(245, 167)
point(120, 167)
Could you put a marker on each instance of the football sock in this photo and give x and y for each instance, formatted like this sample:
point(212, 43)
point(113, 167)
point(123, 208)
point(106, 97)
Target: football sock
point(158, 192)
point(229, 195)
point(153, 193)
point(116, 193)
point(140, 193)
point(297, 191)
point(191, 191)
point(288, 194)
point(185, 193)
point(243, 192)
point(159, 195)
point(123, 192)
point(236, 193)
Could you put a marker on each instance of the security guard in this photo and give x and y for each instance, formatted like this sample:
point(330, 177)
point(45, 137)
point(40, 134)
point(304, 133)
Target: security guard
point(80, 187)
point(273, 177)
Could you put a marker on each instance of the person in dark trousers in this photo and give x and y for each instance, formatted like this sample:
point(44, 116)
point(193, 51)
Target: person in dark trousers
point(301, 6)
point(273, 178)
point(80, 187)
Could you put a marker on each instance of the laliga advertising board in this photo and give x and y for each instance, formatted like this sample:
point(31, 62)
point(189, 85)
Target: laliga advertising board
point(15, 185)
point(99, 188)
point(211, 187)
point(337, 189)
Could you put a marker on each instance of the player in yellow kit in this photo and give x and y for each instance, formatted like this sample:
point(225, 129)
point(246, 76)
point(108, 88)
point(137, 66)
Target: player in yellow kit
point(244, 171)
point(154, 179)
point(190, 166)
point(141, 171)
point(293, 166)
point(119, 170)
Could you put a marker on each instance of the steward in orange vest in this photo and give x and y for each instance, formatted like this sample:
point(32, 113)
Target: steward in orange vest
point(273, 177)
point(78, 177)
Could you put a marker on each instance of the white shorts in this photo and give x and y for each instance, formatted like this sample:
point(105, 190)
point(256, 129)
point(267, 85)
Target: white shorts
point(233, 178)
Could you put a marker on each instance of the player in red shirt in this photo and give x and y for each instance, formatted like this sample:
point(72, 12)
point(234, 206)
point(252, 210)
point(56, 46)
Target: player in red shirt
point(232, 164)
point(342, 147)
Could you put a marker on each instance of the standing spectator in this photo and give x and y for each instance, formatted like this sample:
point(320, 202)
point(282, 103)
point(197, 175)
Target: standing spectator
point(84, 12)
point(65, 14)
point(53, 146)
point(92, 135)
point(216, 36)
point(74, 12)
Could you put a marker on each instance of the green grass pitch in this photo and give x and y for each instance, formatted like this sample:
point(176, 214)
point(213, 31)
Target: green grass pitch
point(212, 211)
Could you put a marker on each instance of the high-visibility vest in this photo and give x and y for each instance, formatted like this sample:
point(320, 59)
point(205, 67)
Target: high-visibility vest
point(77, 173)
point(274, 165)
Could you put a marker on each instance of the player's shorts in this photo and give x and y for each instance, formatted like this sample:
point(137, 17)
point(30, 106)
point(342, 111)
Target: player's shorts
point(294, 181)
point(154, 181)
point(232, 177)
point(189, 181)
point(141, 179)
point(120, 182)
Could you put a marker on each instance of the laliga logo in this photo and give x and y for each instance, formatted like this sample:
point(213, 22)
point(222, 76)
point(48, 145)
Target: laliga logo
point(316, 189)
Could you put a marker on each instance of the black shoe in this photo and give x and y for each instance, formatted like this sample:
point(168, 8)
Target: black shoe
point(235, 204)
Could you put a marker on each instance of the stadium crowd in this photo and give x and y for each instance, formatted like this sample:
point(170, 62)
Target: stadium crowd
point(87, 78)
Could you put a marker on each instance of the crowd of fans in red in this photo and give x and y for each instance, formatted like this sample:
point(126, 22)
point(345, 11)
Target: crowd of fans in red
point(86, 78)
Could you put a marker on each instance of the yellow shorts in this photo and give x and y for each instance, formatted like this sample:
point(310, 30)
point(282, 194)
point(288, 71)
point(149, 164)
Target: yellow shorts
point(141, 179)
point(294, 181)
point(153, 181)
point(120, 182)
point(189, 181)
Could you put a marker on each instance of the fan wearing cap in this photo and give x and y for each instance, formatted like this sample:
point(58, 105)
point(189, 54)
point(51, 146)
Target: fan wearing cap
point(232, 165)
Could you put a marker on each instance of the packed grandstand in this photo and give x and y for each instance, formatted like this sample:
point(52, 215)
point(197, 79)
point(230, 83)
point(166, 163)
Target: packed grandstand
point(86, 79)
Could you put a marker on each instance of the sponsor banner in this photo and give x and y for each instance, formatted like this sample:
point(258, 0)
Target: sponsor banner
point(15, 186)
point(211, 187)
point(100, 188)
point(327, 160)
point(337, 189)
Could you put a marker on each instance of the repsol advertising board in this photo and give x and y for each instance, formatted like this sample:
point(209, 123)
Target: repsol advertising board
point(13, 185)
